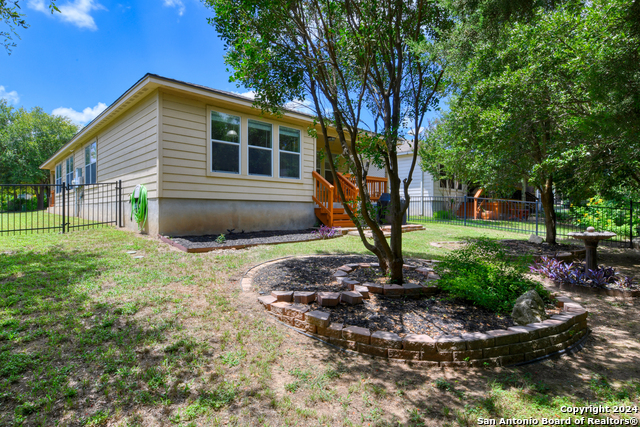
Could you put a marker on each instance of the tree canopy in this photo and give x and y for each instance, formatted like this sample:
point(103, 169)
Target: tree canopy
point(551, 94)
point(28, 139)
point(368, 69)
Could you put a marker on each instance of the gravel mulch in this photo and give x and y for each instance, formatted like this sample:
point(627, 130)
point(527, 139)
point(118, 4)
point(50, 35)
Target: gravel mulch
point(238, 238)
point(433, 316)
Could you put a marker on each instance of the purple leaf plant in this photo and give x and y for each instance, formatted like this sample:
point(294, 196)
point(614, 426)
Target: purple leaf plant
point(575, 274)
point(325, 231)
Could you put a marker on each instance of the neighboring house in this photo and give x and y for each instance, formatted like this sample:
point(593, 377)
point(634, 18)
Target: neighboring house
point(423, 185)
point(209, 160)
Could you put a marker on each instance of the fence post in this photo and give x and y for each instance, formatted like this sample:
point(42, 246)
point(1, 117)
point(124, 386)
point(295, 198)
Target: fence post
point(64, 201)
point(465, 210)
point(537, 210)
point(631, 224)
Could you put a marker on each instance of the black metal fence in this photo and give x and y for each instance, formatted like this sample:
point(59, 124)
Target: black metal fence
point(46, 208)
point(529, 217)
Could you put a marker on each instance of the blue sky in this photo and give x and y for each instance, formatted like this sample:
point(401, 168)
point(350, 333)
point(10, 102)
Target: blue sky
point(78, 62)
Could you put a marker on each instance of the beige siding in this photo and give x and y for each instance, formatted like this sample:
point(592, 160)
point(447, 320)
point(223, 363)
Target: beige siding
point(127, 149)
point(184, 159)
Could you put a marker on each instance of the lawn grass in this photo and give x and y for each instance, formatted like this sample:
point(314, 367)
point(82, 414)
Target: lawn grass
point(521, 228)
point(91, 336)
point(37, 222)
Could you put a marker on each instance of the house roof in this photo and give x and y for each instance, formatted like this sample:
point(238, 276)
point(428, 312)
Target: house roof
point(143, 87)
point(404, 147)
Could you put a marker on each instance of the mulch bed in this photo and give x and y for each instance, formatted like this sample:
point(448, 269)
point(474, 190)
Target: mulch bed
point(239, 238)
point(524, 247)
point(436, 315)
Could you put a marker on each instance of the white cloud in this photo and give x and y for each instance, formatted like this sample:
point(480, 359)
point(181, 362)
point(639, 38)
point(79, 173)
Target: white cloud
point(296, 104)
point(83, 117)
point(300, 106)
point(77, 12)
point(38, 5)
point(250, 94)
point(11, 97)
point(175, 3)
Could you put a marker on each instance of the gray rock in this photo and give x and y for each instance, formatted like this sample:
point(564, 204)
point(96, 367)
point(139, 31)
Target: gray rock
point(529, 308)
point(536, 239)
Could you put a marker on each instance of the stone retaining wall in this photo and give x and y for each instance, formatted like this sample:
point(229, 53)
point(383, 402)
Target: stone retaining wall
point(501, 347)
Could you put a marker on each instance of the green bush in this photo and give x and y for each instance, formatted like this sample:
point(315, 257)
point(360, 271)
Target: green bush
point(603, 215)
point(443, 215)
point(481, 273)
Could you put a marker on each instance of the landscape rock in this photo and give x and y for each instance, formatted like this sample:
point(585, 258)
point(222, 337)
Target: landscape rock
point(529, 308)
point(536, 239)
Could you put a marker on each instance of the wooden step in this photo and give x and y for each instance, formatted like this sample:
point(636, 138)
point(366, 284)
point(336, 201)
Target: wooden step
point(340, 218)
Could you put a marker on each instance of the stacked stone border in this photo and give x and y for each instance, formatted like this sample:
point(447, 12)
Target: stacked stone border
point(560, 334)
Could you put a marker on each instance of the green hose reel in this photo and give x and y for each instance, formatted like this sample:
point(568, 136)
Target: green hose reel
point(139, 207)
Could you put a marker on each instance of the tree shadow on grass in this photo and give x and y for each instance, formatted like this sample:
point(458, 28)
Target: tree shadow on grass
point(66, 356)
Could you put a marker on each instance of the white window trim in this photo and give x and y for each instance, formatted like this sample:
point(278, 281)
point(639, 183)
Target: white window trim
point(58, 178)
point(248, 147)
point(288, 178)
point(210, 141)
point(66, 169)
point(244, 160)
point(84, 154)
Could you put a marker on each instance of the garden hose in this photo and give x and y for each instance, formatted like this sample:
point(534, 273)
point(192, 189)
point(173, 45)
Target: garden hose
point(139, 205)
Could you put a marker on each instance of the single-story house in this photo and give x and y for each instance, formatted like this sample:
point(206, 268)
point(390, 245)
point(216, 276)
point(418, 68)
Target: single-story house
point(209, 160)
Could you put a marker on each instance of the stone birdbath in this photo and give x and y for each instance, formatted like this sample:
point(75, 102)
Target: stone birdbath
point(591, 238)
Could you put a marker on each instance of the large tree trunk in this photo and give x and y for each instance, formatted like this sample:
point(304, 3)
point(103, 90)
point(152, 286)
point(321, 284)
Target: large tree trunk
point(546, 195)
point(395, 241)
point(40, 192)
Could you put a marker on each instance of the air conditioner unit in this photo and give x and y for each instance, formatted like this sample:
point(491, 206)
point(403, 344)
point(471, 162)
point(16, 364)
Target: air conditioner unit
point(78, 181)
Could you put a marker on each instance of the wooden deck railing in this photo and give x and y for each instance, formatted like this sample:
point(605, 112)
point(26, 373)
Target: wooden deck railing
point(350, 191)
point(376, 185)
point(323, 195)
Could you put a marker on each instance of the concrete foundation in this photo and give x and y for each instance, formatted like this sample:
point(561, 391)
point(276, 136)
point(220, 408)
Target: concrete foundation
point(151, 227)
point(189, 217)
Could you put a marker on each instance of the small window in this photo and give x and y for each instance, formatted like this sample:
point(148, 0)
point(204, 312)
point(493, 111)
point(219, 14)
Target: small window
point(90, 158)
point(289, 153)
point(260, 148)
point(443, 182)
point(59, 178)
point(69, 177)
point(225, 143)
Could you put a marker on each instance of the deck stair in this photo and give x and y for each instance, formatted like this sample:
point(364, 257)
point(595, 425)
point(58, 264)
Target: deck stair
point(328, 208)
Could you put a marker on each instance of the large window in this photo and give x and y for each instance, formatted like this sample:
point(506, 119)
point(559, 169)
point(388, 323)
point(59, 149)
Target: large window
point(69, 164)
point(260, 148)
point(59, 178)
point(90, 158)
point(225, 143)
point(289, 144)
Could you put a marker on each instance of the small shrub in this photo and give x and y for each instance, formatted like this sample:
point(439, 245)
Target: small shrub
point(481, 273)
point(221, 239)
point(443, 215)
